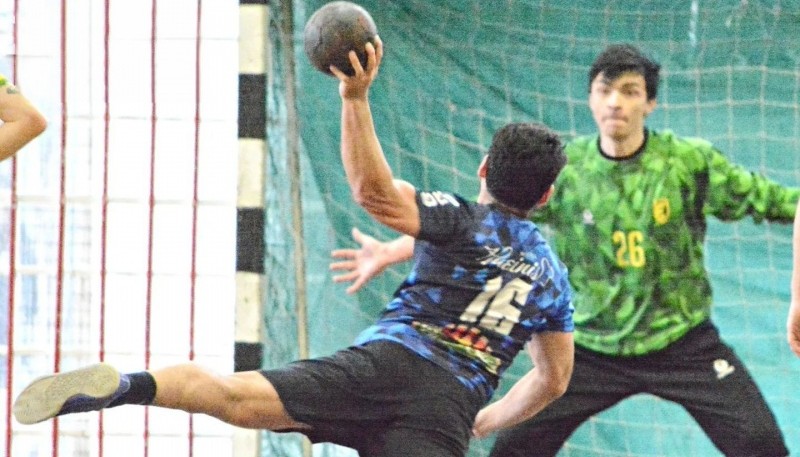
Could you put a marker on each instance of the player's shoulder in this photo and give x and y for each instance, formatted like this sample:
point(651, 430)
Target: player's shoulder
point(580, 144)
point(677, 143)
point(693, 152)
point(439, 204)
point(437, 198)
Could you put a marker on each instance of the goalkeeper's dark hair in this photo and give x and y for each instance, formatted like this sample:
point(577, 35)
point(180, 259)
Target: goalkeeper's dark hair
point(523, 161)
point(623, 58)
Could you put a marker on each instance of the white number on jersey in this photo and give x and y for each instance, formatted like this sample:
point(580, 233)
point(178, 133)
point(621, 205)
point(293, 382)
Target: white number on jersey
point(498, 307)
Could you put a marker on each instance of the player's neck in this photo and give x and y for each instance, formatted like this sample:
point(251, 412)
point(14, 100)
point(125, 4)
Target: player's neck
point(507, 209)
point(623, 147)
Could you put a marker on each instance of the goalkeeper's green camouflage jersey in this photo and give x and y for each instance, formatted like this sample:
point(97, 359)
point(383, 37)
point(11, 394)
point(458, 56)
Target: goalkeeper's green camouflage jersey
point(631, 232)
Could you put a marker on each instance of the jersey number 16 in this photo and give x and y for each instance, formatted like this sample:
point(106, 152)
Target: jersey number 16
point(498, 306)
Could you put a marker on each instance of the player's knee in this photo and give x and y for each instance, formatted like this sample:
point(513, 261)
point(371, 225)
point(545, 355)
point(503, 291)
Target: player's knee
point(250, 401)
point(762, 439)
point(766, 442)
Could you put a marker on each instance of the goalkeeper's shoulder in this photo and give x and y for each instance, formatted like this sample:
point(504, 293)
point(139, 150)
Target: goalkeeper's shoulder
point(668, 138)
point(581, 143)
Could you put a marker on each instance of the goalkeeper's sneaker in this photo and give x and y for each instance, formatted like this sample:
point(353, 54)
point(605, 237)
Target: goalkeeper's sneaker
point(87, 389)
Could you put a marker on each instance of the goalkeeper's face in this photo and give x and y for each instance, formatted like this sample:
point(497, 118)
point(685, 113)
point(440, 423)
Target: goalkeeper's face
point(620, 106)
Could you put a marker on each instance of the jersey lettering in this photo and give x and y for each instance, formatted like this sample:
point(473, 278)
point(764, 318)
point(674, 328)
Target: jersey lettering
point(437, 198)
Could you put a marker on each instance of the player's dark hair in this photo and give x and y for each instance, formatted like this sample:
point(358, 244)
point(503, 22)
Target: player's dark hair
point(623, 58)
point(524, 160)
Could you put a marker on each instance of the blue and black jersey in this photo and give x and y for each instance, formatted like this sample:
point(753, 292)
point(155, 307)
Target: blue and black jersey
point(482, 283)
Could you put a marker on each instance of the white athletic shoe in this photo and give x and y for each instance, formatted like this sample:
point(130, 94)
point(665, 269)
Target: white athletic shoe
point(87, 389)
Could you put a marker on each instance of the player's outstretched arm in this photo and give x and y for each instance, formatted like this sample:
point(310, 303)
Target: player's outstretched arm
point(793, 320)
point(552, 354)
point(370, 259)
point(389, 201)
point(22, 122)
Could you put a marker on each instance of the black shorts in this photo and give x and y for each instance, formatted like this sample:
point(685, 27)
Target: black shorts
point(381, 400)
point(699, 372)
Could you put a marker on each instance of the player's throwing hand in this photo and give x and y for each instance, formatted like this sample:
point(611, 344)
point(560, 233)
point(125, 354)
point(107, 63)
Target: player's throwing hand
point(357, 86)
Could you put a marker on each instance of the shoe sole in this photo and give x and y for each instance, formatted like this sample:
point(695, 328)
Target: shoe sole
point(45, 396)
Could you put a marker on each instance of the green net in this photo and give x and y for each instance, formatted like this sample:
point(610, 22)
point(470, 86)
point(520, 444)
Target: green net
point(454, 71)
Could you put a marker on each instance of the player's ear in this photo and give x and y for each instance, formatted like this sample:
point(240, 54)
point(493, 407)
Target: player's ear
point(546, 196)
point(650, 107)
point(482, 167)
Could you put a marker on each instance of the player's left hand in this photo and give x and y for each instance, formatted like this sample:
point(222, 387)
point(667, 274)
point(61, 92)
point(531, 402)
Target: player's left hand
point(357, 86)
point(359, 265)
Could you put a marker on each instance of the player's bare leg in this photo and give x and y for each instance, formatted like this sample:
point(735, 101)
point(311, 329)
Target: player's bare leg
point(245, 399)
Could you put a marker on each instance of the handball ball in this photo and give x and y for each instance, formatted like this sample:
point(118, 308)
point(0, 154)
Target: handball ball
point(333, 31)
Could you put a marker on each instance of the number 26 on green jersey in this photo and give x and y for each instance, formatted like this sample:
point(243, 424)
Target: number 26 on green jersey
point(629, 248)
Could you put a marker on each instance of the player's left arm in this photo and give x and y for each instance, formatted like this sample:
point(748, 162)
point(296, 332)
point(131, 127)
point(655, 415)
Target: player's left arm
point(370, 259)
point(793, 320)
point(22, 122)
point(389, 201)
point(552, 354)
point(735, 192)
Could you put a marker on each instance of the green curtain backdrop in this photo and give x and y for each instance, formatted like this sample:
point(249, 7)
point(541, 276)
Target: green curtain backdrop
point(454, 71)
